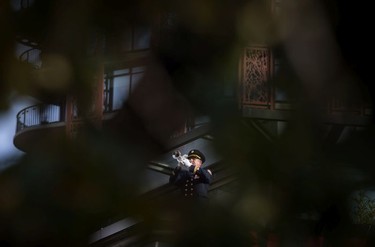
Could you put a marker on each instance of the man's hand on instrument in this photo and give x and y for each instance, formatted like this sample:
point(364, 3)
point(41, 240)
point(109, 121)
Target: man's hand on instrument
point(181, 159)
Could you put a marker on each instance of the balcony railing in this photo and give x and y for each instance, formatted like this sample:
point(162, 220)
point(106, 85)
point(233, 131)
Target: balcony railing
point(40, 114)
point(32, 56)
point(259, 89)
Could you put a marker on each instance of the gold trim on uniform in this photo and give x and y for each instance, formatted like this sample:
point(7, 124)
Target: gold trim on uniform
point(194, 156)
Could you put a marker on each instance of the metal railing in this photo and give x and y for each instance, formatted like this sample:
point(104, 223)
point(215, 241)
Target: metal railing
point(40, 114)
point(32, 56)
point(259, 87)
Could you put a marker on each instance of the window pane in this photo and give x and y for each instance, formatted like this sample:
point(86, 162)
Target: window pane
point(280, 95)
point(138, 69)
point(120, 91)
point(126, 39)
point(142, 37)
point(135, 79)
point(121, 72)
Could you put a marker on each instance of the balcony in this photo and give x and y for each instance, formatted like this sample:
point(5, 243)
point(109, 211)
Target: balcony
point(37, 115)
point(37, 121)
point(261, 96)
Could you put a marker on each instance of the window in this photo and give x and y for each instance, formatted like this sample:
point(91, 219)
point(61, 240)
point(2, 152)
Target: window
point(135, 38)
point(118, 85)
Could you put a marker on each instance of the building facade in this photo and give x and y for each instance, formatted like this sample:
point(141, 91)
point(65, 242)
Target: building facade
point(125, 84)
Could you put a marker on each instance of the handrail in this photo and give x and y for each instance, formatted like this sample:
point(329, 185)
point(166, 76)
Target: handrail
point(40, 114)
point(32, 56)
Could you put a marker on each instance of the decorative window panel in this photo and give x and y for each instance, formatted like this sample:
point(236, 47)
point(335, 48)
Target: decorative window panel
point(255, 84)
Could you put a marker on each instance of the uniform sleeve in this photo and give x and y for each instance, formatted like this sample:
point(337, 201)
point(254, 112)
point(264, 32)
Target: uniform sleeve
point(176, 176)
point(205, 175)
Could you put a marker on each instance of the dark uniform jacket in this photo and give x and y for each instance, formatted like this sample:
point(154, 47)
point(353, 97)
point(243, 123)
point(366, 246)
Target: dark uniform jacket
point(193, 185)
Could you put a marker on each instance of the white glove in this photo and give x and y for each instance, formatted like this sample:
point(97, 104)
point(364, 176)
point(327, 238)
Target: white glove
point(184, 161)
point(181, 159)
